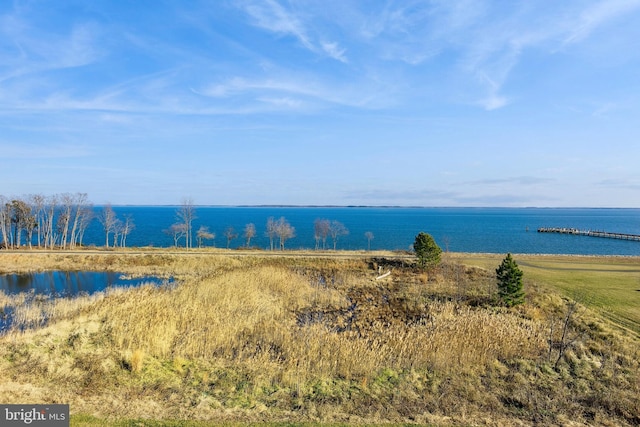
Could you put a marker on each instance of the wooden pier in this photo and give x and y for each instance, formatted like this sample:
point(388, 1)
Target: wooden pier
point(592, 233)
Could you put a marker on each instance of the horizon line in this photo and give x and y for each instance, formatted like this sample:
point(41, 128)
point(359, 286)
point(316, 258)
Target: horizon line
point(358, 206)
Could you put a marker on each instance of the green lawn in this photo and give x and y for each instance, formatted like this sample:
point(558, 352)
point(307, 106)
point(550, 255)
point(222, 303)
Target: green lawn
point(610, 285)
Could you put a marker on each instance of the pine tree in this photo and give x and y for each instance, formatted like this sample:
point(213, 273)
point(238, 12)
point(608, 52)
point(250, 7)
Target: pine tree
point(510, 288)
point(427, 250)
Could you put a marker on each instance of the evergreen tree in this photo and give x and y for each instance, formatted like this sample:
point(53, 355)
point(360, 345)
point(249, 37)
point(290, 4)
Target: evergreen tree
point(427, 250)
point(510, 288)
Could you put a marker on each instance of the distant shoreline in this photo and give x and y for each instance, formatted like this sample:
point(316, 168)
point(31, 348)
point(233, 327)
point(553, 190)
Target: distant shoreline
point(372, 207)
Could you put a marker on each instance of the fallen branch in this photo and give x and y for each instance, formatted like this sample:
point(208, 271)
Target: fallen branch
point(388, 273)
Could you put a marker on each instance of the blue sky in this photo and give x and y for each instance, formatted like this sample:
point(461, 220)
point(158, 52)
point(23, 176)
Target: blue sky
point(427, 103)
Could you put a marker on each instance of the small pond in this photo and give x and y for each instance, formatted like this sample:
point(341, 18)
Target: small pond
point(64, 284)
point(70, 283)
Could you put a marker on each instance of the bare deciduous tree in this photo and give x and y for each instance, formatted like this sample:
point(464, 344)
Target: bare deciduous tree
point(369, 236)
point(447, 241)
point(5, 221)
point(272, 231)
point(336, 230)
point(230, 234)
point(177, 231)
point(81, 207)
point(126, 229)
point(203, 233)
point(117, 230)
point(567, 339)
point(108, 220)
point(30, 224)
point(85, 215)
point(249, 233)
point(64, 217)
point(186, 214)
point(38, 203)
point(321, 229)
point(48, 221)
point(284, 231)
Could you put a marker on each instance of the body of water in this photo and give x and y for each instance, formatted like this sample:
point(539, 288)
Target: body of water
point(58, 284)
point(68, 283)
point(492, 230)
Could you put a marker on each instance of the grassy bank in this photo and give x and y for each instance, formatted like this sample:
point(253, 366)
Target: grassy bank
point(608, 285)
point(306, 338)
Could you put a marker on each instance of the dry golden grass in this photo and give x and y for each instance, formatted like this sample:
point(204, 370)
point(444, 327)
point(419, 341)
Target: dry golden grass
point(318, 339)
point(251, 315)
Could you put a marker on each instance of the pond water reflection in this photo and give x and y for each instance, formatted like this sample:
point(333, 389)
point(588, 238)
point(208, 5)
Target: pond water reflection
point(69, 283)
point(35, 290)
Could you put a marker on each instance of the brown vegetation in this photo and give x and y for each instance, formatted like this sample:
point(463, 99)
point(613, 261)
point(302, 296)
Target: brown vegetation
point(257, 338)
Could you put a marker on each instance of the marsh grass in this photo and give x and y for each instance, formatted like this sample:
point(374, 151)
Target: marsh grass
point(301, 339)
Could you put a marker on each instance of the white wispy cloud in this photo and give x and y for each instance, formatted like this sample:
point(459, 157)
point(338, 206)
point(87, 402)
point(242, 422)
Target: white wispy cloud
point(418, 33)
point(488, 39)
point(273, 16)
point(596, 15)
point(334, 51)
point(289, 88)
point(35, 50)
point(283, 102)
point(493, 100)
point(398, 31)
point(239, 84)
point(479, 42)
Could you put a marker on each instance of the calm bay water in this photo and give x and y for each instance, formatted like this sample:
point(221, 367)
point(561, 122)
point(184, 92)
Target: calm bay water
point(493, 230)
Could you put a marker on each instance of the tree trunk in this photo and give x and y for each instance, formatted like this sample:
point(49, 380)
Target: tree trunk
point(4, 215)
